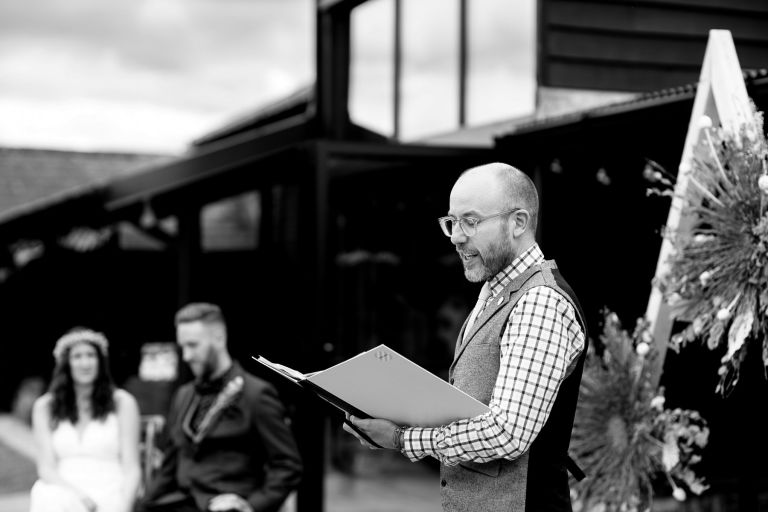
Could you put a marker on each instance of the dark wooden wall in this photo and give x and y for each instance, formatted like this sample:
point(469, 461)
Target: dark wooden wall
point(642, 45)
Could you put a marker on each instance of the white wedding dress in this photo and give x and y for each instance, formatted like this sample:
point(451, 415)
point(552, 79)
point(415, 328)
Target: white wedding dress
point(89, 460)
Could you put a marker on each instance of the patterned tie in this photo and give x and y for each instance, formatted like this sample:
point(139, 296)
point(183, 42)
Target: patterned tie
point(485, 293)
point(206, 392)
point(205, 403)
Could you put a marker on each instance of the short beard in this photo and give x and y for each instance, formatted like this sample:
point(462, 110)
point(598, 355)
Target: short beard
point(498, 257)
point(209, 367)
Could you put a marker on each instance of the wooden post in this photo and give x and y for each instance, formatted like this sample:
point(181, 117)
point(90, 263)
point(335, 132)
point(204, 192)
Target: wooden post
point(313, 252)
point(332, 82)
point(188, 251)
point(722, 96)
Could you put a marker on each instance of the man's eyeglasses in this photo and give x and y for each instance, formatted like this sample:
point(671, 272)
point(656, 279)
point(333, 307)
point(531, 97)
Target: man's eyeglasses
point(468, 225)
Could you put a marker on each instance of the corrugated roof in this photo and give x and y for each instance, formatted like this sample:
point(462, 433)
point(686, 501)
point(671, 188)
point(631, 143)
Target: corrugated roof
point(28, 176)
point(645, 100)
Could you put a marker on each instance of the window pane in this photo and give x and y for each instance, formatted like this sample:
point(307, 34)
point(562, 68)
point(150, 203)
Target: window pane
point(501, 81)
point(372, 66)
point(232, 223)
point(430, 84)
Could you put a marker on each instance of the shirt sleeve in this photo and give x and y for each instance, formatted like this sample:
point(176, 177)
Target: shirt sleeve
point(282, 465)
point(541, 341)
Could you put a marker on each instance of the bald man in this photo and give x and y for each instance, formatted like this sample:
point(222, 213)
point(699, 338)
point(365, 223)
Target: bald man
point(521, 351)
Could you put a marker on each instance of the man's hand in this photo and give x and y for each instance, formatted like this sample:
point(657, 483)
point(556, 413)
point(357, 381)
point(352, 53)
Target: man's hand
point(89, 504)
point(224, 502)
point(380, 431)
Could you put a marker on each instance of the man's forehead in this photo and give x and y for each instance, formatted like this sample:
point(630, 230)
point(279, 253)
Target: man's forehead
point(476, 193)
point(195, 328)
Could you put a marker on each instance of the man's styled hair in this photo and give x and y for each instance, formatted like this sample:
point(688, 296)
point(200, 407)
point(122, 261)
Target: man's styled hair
point(200, 312)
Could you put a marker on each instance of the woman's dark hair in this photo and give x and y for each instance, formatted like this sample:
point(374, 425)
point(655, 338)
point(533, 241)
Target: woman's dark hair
point(62, 388)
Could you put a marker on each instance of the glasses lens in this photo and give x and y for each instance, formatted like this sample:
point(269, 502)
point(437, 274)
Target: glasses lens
point(469, 226)
point(446, 224)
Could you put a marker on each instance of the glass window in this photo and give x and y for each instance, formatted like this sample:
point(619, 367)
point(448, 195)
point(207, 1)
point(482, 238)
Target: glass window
point(371, 77)
point(430, 80)
point(232, 223)
point(501, 64)
point(501, 81)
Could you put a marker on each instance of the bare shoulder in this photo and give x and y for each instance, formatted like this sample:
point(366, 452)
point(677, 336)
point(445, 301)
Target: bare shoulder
point(125, 402)
point(43, 402)
point(41, 409)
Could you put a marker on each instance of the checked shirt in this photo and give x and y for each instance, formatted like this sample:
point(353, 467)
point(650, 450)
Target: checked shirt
point(540, 344)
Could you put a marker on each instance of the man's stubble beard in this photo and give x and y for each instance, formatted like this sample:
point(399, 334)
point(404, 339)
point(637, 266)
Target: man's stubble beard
point(499, 256)
point(208, 367)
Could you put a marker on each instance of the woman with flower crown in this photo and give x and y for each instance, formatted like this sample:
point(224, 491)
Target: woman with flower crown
point(87, 432)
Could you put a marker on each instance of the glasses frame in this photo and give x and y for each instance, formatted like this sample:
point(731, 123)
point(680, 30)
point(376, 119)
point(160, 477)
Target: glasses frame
point(466, 228)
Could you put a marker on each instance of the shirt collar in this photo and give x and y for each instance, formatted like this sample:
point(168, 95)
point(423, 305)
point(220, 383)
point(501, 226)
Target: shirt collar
point(205, 387)
point(527, 259)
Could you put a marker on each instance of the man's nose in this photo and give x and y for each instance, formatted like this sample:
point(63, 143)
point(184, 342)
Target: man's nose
point(457, 235)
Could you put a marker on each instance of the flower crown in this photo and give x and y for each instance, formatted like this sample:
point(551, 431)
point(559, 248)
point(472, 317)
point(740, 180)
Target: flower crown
point(72, 338)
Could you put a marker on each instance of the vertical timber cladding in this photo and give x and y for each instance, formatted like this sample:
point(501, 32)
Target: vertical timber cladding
point(642, 45)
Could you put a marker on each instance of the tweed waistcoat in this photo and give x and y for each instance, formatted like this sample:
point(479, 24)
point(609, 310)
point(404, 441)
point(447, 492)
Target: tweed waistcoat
point(537, 480)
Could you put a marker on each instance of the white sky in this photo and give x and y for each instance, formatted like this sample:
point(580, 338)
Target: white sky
point(151, 75)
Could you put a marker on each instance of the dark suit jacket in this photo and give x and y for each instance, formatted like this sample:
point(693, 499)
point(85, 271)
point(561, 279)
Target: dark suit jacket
point(249, 450)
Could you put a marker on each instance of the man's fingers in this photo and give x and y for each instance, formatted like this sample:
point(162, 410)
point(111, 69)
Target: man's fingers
point(226, 502)
point(363, 442)
point(90, 505)
point(218, 500)
point(349, 429)
point(221, 503)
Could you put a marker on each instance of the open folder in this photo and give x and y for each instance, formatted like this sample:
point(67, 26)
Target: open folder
point(380, 383)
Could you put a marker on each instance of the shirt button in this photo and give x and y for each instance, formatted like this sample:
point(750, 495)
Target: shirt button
point(443, 483)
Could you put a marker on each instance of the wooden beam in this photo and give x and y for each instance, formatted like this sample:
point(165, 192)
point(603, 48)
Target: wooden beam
point(332, 71)
point(204, 165)
point(615, 76)
point(463, 13)
point(188, 249)
point(722, 96)
point(398, 69)
point(391, 152)
point(312, 249)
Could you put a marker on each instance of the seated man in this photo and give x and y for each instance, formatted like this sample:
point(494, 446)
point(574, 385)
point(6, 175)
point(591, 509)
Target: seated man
point(229, 445)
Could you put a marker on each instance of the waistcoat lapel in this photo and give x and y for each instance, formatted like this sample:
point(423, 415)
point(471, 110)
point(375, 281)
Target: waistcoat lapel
point(495, 305)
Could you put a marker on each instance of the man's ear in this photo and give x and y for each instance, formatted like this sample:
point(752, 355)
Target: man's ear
point(220, 334)
point(521, 220)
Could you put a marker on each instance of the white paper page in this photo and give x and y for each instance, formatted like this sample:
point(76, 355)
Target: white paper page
point(387, 385)
point(288, 372)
